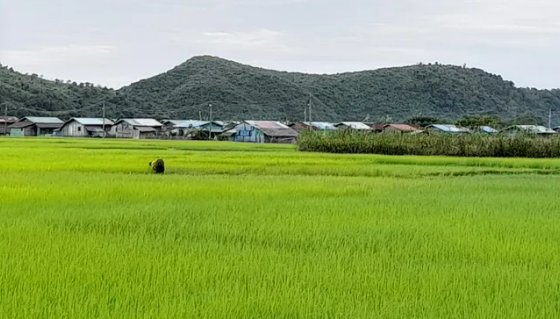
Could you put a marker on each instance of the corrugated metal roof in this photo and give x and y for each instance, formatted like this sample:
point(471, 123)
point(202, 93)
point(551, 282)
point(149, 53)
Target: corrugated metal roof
point(488, 129)
point(273, 128)
point(35, 119)
point(321, 125)
point(48, 125)
point(20, 124)
point(142, 122)
point(90, 121)
point(536, 129)
point(190, 123)
point(145, 129)
point(450, 128)
point(355, 125)
point(94, 129)
point(9, 119)
point(401, 127)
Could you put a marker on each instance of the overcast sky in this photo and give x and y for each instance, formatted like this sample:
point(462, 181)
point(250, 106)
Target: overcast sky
point(115, 42)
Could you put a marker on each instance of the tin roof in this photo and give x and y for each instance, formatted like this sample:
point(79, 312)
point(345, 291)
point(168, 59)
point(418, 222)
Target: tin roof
point(145, 129)
point(321, 125)
point(48, 125)
point(44, 120)
point(94, 129)
point(194, 123)
point(488, 129)
point(450, 128)
point(401, 127)
point(8, 119)
point(141, 122)
point(273, 128)
point(90, 121)
point(535, 129)
point(355, 125)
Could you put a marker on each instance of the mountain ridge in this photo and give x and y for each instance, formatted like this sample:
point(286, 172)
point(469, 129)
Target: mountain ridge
point(241, 91)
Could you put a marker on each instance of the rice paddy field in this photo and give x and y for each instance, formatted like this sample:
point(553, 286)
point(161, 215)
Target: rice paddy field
point(264, 231)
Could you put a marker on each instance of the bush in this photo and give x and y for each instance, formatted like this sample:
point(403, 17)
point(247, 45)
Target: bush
point(470, 145)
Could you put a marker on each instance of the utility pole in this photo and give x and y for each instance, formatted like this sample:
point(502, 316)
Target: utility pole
point(200, 116)
point(6, 119)
point(103, 119)
point(309, 106)
point(549, 118)
point(210, 124)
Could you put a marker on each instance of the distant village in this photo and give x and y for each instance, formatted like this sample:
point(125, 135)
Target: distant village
point(236, 131)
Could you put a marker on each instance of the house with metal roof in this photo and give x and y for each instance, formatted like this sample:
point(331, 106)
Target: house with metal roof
point(400, 128)
point(353, 126)
point(197, 129)
point(319, 126)
point(528, 129)
point(86, 127)
point(447, 128)
point(35, 126)
point(264, 132)
point(136, 128)
point(5, 121)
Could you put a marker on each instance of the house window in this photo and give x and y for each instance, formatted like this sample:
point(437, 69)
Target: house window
point(79, 128)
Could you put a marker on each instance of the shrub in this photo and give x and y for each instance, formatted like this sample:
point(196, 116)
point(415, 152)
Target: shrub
point(470, 145)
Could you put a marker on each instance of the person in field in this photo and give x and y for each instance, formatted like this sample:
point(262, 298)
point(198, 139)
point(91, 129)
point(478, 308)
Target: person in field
point(158, 166)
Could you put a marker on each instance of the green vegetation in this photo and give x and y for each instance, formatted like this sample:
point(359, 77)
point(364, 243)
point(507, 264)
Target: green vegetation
point(263, 231)
point(240, 92)
point(471, 145)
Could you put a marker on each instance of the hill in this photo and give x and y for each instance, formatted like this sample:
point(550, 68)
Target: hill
point(238, 91)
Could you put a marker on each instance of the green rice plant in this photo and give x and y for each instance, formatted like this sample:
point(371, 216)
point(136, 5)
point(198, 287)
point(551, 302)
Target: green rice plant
point(263, 231)
point(465, 145)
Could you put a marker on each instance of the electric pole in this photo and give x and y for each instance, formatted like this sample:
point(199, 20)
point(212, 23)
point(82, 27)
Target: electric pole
point(210, 124)
point(549, 118)
point(6, 119)
point(103, 119)
point(309, 106)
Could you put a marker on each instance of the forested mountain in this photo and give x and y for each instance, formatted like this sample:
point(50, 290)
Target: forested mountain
point(238, 91)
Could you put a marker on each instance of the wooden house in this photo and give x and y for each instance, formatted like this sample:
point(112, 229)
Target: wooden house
point(264, 132)
point(86, 127)
point(6, 121)
point(136, 128)
point(35, 126)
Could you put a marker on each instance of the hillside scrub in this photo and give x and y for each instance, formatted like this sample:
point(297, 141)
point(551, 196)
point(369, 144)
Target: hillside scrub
point(471, 145)
point(240, 92)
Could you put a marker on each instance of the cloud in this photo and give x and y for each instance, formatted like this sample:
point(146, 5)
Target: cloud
point(54, 54)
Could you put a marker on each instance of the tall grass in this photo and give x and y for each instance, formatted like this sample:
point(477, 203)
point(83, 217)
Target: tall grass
point(471, 145)
point(86, 232)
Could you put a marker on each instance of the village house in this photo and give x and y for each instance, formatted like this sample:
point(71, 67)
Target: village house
point(529, 129)
point(136, 128)
point(264, 132)
point(5, 121)
point(400, 128)
point(447, 129)
point(86, 127)
point(353, 126)
point(302, 126)
point(35, 126)
point(193, 128)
